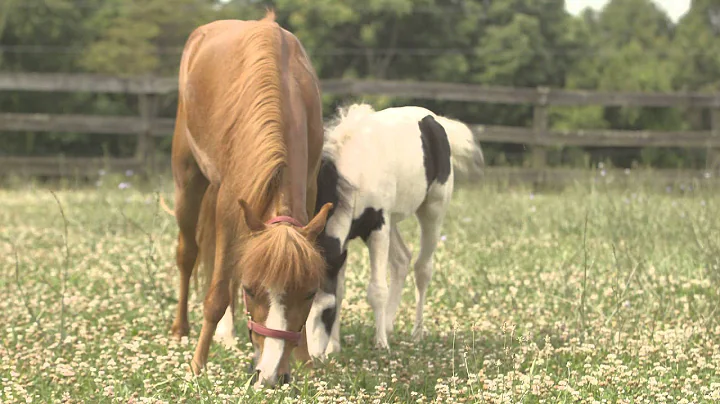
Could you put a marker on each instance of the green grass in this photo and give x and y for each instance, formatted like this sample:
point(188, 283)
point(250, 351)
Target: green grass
point(594, 294)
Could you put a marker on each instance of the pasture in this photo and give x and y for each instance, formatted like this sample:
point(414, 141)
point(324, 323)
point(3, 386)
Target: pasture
point(597, 293)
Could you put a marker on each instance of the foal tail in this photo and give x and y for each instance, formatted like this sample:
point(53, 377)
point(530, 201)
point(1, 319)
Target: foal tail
point(467, 156)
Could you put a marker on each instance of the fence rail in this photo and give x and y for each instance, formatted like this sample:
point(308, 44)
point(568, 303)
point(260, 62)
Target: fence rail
point(147, 125)
point(57, 82)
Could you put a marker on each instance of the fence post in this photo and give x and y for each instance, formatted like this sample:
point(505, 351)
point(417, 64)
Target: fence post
point(540, 126)
point(713, 154)
point(145, 152)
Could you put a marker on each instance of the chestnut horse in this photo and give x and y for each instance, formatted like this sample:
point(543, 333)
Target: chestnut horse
point(246, 149)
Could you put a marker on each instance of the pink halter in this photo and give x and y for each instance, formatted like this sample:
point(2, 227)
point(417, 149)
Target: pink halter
point(284, 219)
point(292, 336)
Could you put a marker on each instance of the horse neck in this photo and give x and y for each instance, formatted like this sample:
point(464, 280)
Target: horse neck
point(293, 187)
point(288, 201)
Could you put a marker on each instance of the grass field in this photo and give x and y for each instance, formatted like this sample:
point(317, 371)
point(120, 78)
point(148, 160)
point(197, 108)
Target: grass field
point(591, 294)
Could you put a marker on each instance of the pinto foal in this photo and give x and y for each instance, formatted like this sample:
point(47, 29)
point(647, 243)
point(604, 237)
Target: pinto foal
point(246, 152)
point(378, 169)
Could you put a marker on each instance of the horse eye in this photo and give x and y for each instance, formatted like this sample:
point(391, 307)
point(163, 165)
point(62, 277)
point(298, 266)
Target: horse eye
point(248, 291)
point(311, 295)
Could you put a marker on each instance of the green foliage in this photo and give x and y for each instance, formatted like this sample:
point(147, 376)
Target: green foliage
point(697, 47)
point(142, 36)
point(631, 45)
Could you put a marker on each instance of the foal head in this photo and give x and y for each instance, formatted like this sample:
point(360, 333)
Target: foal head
point(281, 272)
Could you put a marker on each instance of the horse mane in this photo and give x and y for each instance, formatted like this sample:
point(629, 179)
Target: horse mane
point(340, 128)
point(279, 256)
point(254, 101)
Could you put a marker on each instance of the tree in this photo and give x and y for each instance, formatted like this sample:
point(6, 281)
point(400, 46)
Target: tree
point(697, 47)
point(630, 45)
point(628, 50)
point(138, 37)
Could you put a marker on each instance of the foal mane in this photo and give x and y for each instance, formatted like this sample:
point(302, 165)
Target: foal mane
point(279, 256)
point(340, 128)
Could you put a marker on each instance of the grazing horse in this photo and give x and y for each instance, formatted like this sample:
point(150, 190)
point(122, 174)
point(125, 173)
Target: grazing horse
point(380, 167)
point(246, 152)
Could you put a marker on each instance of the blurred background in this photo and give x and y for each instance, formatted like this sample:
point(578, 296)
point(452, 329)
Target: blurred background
point(620, 48)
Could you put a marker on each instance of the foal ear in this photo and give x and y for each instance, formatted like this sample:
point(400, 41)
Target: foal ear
point(252, 221)
point(317, 224)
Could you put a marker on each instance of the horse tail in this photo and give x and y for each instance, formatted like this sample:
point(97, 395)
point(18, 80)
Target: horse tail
point(164, 206)
point(466, 154)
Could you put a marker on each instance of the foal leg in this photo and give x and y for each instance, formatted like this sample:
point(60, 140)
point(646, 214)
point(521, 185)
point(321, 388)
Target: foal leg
point(301, 352)
point(188, 199)
point(379, 245)
point(334, 343)
point(430, 215)
point(400, 257)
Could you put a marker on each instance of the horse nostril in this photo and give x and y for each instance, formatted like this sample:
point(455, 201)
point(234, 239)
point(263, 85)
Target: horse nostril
point(285, 378)
point(255, 377)
point(249, 368)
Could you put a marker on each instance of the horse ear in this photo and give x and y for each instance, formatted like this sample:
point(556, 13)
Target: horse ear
point(252, 221)
point(317, 224)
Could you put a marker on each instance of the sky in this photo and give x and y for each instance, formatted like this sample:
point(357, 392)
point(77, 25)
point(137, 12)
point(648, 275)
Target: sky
point(674, 8)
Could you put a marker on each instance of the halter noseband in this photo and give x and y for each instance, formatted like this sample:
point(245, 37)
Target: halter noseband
point(292, 336)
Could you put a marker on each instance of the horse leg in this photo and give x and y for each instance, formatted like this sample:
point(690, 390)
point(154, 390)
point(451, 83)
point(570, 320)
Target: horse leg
point(219, 293)
point(188, 199)
point(399, 257)
point(225, 332)
point(430, 215)
point(379, 245)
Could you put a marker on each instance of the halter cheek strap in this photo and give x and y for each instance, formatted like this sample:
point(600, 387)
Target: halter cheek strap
point(292, 336)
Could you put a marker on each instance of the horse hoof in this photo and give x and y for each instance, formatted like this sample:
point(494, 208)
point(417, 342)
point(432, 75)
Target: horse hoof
point(195, 368)
point(179, 331)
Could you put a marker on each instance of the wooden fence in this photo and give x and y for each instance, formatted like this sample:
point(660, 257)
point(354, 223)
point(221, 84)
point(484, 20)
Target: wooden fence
point(147, 125)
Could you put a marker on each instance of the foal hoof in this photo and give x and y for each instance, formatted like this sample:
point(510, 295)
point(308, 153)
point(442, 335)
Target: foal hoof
point(333, 347)
point(382, 345)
